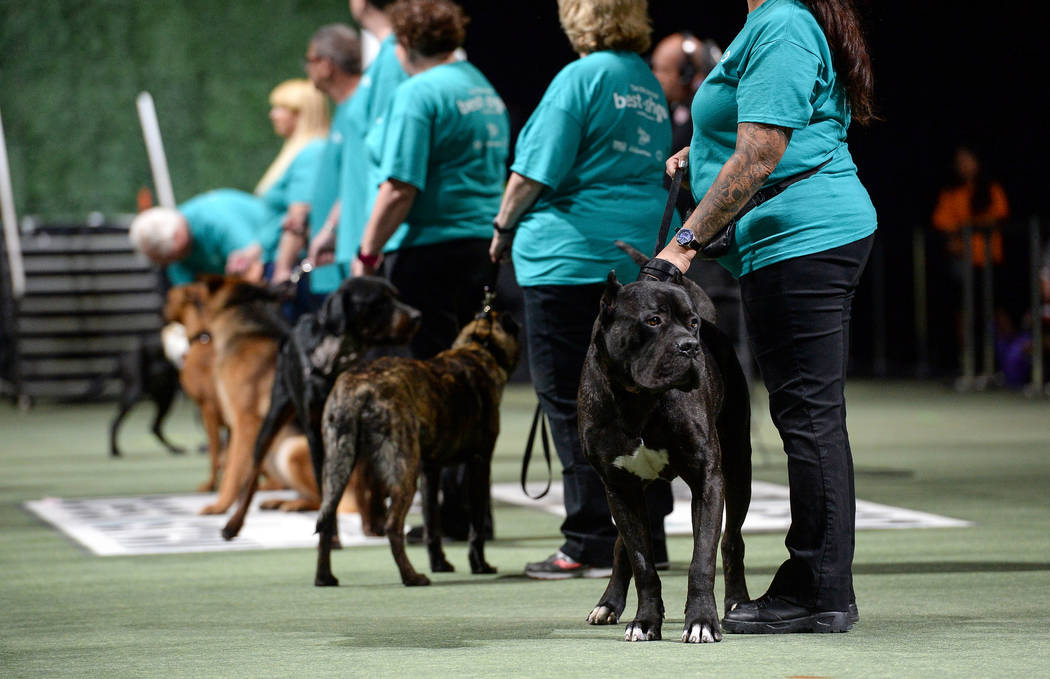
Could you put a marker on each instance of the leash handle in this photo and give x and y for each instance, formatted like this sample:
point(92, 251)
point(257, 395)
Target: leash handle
point(537, 419)
point(672, 200)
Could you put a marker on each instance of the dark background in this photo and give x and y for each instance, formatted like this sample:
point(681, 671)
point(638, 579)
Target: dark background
point(69, 72)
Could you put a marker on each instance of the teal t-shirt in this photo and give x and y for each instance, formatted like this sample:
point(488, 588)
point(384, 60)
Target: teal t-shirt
point(326, 191)
point(221, 221)
point(778, 71)
point(448, 134)
point(370, 101)
point(597, 142)
point(296, 185)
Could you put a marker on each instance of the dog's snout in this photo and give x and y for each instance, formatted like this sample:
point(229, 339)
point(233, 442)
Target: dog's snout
point(690, 347)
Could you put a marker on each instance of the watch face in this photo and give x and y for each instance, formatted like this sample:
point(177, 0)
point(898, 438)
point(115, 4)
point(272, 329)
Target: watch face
point(684, 237)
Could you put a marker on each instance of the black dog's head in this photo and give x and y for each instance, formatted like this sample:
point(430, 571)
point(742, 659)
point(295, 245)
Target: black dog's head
point(367, 309)
point(647, 336)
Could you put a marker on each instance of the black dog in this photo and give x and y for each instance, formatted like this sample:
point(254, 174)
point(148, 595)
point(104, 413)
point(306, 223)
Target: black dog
point(662, 395)
point(362, 313)
point(145, 373)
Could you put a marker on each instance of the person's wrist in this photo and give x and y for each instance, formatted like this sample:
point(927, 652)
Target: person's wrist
point(503, 230)
point(369, 260)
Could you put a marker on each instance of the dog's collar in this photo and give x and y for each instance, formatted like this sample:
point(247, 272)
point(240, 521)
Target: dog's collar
point(657, 269)
point(203, 337)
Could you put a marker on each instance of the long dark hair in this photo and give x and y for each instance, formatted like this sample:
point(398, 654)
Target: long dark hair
point(849, 53)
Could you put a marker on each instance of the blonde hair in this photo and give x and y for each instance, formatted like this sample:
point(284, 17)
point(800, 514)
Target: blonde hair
point(594, 25)
point(152, 232)
point(300, 96)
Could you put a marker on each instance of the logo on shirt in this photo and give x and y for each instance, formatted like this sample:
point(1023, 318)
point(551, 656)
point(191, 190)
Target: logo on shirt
point(486, 103)
point(646, 102)
point(643, 137)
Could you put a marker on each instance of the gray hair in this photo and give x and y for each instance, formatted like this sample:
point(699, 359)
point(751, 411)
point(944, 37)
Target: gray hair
point(152, 232)
point(341, 44)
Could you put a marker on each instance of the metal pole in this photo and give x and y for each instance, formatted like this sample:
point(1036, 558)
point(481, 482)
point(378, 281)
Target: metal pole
point(922, 320)
point(968, 350)
point(1035, 289)
point(158, 162)
point(988, 315)
point(7, 213)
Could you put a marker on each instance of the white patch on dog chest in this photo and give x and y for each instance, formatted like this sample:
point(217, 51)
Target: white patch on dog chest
point(643, 462)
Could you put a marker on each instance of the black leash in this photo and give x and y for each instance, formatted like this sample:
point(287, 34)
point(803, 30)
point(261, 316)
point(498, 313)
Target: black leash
point(537, 419)
point(672, 200)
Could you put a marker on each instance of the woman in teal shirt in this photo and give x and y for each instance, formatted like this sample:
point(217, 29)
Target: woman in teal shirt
point(588, 169)
point(798, 72)
point(299, 115)
point(439, 155)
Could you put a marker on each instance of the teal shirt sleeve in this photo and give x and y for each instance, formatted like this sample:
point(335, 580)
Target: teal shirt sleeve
point(776, 85)
point(548, 145)
point(406, 149)
point(302, 174)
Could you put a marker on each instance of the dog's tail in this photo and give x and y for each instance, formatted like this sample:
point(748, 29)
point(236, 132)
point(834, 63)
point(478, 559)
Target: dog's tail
point(636, 254)
point(342, 434)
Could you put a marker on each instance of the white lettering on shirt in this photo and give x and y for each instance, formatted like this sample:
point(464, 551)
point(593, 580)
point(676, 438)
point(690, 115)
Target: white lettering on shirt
point(646, 102)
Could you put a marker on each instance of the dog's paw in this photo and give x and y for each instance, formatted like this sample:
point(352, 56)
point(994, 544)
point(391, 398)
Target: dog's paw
point(213, 509)
point(416, 580)
point(639, 630)
point(229, 532)
point(698, 633)
point(603, 615)
point(482, 569)
point(328, 580)
point(441, 566)
point(271, 505)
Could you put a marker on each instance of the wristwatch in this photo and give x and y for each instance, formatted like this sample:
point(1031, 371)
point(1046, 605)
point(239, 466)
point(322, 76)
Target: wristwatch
point(686, 239)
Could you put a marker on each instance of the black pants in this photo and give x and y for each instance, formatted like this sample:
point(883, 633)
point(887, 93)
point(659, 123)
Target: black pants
point(558, 323)
point(445, 282)
point(798, 314)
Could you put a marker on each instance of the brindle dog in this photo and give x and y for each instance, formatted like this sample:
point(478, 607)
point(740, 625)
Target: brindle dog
point(406, 417)
point(362, 313)
point(662, 395)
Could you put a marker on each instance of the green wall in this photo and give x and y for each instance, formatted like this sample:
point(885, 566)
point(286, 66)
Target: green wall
point(70, 71)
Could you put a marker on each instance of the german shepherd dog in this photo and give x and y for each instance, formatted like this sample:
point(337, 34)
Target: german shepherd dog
point(362, 313)
point(407, 417)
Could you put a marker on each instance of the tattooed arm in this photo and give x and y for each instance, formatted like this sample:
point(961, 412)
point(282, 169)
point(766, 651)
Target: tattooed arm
point(759, 149)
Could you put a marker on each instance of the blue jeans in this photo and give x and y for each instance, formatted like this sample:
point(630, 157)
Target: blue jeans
point(558, 323)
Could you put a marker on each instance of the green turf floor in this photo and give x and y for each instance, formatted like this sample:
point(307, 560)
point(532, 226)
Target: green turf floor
point(958, 602)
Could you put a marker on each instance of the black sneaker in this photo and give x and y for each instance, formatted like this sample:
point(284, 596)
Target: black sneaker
point(772, 615)
point(561, 566)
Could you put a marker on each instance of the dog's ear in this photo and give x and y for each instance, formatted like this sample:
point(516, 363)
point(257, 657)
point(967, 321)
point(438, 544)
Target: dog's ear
point(332, 314)
point(612, 290)
point(212, 282)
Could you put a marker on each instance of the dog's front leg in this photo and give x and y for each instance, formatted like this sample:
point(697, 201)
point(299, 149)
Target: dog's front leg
point(430, 480)
point(627, 504)
point(701, 613)
point(609, 608)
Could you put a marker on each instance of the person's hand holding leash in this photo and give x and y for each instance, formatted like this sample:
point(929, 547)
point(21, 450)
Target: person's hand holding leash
point(679, 159)
point(322, 247)
point(502, 239)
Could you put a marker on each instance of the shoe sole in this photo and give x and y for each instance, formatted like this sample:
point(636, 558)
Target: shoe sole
point(569, 575)
point(819, 623)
